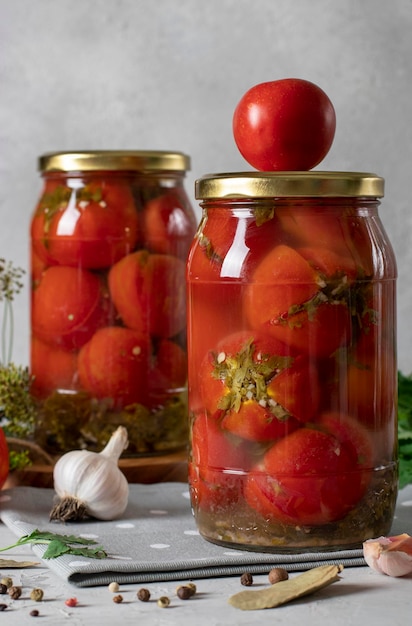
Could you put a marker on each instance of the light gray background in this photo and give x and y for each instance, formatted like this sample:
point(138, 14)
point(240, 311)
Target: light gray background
point(167, 74)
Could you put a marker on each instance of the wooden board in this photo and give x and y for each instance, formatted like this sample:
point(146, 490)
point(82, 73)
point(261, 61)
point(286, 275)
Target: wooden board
point(151, 469)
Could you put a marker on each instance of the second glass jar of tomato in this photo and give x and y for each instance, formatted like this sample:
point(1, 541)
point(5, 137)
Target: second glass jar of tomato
point(110, 236)
point(292, 361)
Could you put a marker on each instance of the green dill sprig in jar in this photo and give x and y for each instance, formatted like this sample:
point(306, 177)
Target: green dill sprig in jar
point(17, 407)
point(10, 285)
point(17, 413)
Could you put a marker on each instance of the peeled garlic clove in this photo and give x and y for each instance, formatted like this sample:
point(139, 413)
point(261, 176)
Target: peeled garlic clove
point(389, 555)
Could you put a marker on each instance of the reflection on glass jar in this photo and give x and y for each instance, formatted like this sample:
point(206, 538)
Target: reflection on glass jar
point(292, 361)
point(110, 236)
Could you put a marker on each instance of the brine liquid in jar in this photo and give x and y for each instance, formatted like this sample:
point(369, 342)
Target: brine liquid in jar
point(292, 362)
point(109, 241)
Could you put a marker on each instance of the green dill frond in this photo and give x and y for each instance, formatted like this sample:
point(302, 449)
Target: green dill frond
point(17, 406)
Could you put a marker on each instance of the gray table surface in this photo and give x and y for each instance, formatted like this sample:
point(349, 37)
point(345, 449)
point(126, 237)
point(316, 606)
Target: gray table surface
point(361, 597)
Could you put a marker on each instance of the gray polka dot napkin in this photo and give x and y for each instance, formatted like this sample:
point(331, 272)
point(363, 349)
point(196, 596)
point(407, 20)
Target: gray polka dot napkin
point(157, 539)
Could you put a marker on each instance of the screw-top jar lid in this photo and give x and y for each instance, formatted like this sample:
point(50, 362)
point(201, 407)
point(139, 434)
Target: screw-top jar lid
point(114, 160)
point(289, 184)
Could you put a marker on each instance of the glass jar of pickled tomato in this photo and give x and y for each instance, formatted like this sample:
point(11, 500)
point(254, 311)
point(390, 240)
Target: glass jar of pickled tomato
point(109, 241)
point(292, 361)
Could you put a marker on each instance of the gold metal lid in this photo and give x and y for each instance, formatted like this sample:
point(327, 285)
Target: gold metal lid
point(313, 184)
point(114, 160)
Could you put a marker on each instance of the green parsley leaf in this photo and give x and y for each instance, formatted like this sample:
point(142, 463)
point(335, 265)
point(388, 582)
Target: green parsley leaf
point(56, 548)
point(61, 544)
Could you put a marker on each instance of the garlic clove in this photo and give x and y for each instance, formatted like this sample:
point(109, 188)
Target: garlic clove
point(389, 555)
point(91, 483)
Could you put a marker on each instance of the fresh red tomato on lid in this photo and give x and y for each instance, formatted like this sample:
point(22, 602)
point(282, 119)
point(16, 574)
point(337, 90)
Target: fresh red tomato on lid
point(286, 124)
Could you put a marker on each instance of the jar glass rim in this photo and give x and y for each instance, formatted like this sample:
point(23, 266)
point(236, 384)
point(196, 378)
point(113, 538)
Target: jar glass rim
point(319, 184)
point(114, 160)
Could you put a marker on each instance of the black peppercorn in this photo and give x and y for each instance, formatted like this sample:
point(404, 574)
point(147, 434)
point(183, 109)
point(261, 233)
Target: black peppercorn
point(277, 575)
point(34, 613)
point(3, 607)
point(184, 592)
point(3, 588)
point(143, 595)
point(246, 579)
point(118, 599)
point(14, 592)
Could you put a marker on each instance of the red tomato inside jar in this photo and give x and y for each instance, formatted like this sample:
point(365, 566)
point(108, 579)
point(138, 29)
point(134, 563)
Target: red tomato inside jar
point(109, 240)
point(292, 361)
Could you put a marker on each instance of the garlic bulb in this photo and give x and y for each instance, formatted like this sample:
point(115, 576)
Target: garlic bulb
point(91, 483)
point(389, 555)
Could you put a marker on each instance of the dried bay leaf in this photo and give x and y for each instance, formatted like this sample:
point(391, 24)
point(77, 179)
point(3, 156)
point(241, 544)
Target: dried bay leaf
point(15, 564)
point(287, 590)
